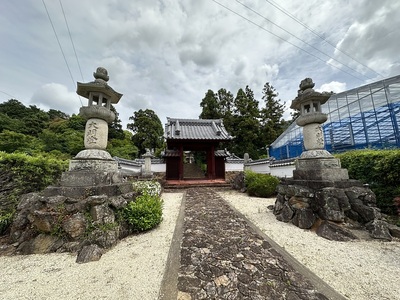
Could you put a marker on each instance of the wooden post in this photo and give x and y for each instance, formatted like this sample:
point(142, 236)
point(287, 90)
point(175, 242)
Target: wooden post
point(181, 162)
point(212, 153)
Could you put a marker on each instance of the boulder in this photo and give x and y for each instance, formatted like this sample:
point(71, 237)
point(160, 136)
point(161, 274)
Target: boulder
point(328, 206)
point(75, 226)
point(366, 213)
point(89, 253)
point(280, 200)
point(334, 232)
point(379, 229)
point(41, 244)
point(102, 214)
point(238, 182)
point(286, 213)
point(394, 231)
point(298, 202)
point(44, 221)
point(304, 218)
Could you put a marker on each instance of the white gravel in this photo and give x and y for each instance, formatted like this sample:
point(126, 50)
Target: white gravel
point(134, 268)
point(131, 270)
point(358, 270)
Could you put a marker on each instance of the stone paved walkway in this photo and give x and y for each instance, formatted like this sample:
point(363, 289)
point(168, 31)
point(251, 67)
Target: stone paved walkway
point(223, 257)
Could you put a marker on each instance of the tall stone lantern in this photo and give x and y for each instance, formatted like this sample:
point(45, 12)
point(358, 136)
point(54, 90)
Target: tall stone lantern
point(94, 165)
point(315, 162)
point(320, 194)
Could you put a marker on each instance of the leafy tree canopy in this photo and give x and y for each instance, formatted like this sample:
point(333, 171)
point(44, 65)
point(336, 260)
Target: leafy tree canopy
point(147, 130)
point(32, 130)
point(253, 125)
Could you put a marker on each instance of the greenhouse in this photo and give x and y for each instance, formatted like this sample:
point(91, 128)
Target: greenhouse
point(364, 117)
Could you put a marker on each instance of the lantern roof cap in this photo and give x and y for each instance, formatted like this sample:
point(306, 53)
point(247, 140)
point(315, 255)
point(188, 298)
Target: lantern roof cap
point(306, 93)
point(99, 85)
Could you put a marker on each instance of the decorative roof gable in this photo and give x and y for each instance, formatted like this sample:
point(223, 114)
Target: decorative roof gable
point(196, 129)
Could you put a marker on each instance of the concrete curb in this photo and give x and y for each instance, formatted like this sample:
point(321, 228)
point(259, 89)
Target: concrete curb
point(169, 284)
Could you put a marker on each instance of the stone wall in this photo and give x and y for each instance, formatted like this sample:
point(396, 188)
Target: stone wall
point(308, 204)
point(57, 223)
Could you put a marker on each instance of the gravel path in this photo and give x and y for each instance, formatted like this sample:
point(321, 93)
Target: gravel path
point(358, 269)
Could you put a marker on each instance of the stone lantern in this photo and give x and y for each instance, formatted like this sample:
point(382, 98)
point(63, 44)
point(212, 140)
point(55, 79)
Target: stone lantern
point(94, 165)
point(315, 162)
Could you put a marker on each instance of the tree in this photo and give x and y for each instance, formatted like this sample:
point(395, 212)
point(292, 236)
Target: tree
point(14, 109)
point(246, 126)
point(210, 105)
point(245, 104)
point(147, 130)
point(31, 119)
point(11, 141)
point(123, 148)
point(115, 130)
point(76, 122)
point(57, 114)
point(226, 103)
point(272, 122)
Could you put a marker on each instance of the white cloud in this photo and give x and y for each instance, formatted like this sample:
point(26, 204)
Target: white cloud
point(332, 86)
point(57, 96)
point(165, 54)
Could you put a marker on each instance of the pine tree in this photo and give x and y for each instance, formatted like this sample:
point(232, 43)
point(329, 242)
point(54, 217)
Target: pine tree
point(246, 125)
point(271, 115)
point(210, 105)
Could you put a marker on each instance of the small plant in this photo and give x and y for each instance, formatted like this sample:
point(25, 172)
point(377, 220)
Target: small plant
point(152, 188)
point(143, 214)
point(5, 221)
point(260, 185)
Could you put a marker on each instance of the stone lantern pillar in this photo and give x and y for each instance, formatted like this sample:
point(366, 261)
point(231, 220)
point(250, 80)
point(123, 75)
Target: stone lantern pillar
point(94, 165)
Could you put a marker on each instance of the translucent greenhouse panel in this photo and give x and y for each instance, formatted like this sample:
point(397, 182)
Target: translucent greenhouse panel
point(394, 92)
point(379, 97)
point(330, 105)
point(385, 124)
point(341, 101)
point(344, 112)
point(366, 103)
point(359, 133)
point(371, 127)
point(354, 108)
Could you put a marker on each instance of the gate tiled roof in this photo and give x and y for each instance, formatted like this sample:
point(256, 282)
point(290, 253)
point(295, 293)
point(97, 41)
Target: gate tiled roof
point(196, 129)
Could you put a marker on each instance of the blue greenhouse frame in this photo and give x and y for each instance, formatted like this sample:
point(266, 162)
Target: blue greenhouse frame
point(364, 117)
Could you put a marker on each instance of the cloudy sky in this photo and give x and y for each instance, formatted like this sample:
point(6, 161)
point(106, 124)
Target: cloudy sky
point(165, 54)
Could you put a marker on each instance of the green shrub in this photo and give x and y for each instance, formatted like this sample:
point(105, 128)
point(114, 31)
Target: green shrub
point(22, 174)
point(260, 185)
point(32, 173)
point(5, 221)
point(379, 169)
point(144, 213)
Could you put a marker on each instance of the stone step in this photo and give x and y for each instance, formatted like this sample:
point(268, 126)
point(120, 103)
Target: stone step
point(192, 171)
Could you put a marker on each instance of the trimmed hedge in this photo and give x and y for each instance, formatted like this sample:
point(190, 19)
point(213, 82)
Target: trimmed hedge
point(20, 174)
point(32, 173)
point(260, 185)
point(378, 168)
